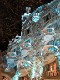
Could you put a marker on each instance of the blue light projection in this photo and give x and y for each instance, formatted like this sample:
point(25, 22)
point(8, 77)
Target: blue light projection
point(25, 64)
point(35, 17)
point(16, 76)
point(55, 42)
point(57, 11)
point(53, 49)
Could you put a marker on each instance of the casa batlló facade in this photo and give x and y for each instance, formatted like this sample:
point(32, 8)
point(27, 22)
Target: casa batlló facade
point(36, 53)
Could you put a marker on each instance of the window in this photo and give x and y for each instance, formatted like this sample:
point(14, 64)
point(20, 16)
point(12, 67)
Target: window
point(49, 30)
point(28, 31)
point(52, 49)
point(57, 42)
point(27, 58)
point(51, 43)
point(47, 17)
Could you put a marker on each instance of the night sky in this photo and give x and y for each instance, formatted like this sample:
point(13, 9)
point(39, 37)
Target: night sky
point(10, 17)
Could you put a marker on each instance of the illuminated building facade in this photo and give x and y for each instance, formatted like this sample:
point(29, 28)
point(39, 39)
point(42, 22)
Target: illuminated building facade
point(37, 50)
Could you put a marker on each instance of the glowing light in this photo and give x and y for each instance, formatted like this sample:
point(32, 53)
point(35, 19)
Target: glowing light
point(51, 68)
point(16, 76)
point(35, 17)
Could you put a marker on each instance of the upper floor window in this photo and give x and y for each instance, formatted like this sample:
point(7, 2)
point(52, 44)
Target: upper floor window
point(47, 17)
